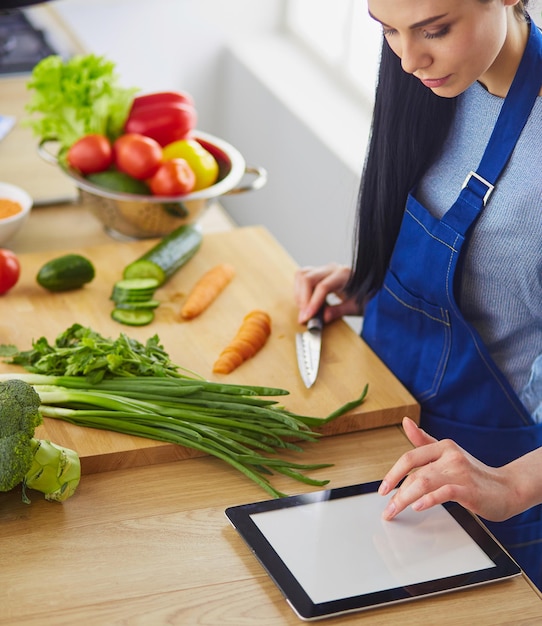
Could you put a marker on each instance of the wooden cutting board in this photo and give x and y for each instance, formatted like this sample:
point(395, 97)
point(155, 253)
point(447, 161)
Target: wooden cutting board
point(264, 280)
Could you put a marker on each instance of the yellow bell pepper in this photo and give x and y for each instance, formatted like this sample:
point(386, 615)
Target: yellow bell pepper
point(201, 161)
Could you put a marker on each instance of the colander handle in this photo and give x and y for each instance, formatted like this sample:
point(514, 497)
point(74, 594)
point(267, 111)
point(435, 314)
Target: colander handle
point(257, 183)
point(45, 154)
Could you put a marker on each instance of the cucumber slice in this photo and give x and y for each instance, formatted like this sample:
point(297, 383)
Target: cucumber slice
point(120, 295)
point(136, 285)
point(167, 256)
point(135, 306)
point(143, 268)
point(135, 317)
point(134, 290)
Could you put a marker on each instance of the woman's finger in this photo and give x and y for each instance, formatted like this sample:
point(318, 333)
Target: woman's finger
point(425, 453)
point(416, 435)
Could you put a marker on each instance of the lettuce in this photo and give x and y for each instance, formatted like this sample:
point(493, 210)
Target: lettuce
point(76, 97)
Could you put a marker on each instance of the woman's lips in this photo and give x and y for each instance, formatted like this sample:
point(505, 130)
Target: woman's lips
point(434, 83)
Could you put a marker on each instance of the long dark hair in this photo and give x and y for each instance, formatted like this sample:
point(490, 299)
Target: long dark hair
point(409, 126)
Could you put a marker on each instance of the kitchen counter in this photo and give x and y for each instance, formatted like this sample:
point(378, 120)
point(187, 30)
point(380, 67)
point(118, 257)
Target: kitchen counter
point(151, 544)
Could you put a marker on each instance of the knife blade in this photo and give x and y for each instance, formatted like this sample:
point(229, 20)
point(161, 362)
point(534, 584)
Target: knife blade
point(308, 348)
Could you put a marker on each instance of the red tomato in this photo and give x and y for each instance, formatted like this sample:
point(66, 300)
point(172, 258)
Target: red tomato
point(10, 270)
point(137, 155)
point(90, 154)
point(173, 178)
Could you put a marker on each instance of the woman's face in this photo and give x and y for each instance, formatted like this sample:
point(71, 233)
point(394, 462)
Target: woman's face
point(449, 44)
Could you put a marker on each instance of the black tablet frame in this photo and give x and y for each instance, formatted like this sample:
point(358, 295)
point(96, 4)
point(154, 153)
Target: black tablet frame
point(302, 604)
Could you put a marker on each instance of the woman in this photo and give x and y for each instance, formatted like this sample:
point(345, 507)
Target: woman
point(448, 264)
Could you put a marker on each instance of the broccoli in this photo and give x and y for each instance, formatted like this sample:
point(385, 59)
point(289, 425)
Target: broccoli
point(37, 464)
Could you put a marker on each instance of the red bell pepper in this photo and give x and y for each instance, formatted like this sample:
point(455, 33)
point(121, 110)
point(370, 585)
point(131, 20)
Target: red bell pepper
point(162, 97)
point(164, 116)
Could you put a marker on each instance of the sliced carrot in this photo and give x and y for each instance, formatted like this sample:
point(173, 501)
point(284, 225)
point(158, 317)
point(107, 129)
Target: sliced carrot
point(250, 338)
point(207, 290)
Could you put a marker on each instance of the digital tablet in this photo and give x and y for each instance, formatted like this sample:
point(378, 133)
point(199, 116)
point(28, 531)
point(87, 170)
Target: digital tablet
point(330, 552)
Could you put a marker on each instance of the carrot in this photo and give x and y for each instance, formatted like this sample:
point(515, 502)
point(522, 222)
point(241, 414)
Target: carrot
point(250, 338)
point(206, 290)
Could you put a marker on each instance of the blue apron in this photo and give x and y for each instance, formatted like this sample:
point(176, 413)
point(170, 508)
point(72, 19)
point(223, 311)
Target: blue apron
point(415, 326)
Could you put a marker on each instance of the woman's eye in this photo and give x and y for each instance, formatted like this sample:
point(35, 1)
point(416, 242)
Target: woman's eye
point(387, 31)
point(435, 35)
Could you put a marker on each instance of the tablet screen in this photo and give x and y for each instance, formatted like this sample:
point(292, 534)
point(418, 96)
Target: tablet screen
point(331, 551)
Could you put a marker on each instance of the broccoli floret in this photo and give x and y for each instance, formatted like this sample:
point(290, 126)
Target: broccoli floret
point(19, 416)
point(15, 459)
point(19, 408)
point(37, 464)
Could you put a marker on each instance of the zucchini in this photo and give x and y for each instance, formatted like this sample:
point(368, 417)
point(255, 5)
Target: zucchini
point(167, 256)
point(70, 271)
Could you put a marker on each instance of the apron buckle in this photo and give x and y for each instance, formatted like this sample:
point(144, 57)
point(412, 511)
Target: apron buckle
point(489, 186)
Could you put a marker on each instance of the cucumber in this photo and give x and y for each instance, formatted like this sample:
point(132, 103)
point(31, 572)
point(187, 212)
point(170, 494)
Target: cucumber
point(119, 181)
point(134, 294)
point(70, 271)
point(167, 256)
point(133, 317)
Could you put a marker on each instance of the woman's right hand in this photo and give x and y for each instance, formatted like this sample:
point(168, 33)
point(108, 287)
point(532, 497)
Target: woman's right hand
point(312, 285)
point(444, 471)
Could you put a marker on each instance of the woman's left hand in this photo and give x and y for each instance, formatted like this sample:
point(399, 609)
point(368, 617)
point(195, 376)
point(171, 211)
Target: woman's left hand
point(445, 472)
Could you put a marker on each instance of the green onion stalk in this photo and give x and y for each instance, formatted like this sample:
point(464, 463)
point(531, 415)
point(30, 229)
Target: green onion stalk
point(239, 424)
point(130, 387)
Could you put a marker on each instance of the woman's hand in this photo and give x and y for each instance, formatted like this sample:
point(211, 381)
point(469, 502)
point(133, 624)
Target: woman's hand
point(445, 472)
point(312, 286)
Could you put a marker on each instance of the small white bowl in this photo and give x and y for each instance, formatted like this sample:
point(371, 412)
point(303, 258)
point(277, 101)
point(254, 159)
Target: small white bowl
point(10, 225)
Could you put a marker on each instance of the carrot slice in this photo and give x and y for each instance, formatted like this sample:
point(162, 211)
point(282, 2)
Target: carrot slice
point(207, 290)
point(250, 339)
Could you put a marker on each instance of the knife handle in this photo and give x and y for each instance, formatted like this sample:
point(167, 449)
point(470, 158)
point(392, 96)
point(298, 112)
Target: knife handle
point(317, 322)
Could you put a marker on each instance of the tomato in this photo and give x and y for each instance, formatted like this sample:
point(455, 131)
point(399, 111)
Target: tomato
point(10, 270)
point(92, 153)
point(137, 155)
point(174, 178)
point(202, 162)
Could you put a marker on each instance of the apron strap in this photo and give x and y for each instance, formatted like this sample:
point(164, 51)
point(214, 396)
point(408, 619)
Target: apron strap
point(513, 116)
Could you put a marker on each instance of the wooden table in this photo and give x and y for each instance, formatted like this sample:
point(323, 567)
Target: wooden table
point(151, 544)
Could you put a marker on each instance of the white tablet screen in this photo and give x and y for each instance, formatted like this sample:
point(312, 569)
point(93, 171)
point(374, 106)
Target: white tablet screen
point(342, 547)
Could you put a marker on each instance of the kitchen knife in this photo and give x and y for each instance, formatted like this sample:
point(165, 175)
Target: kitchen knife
point(308, 347)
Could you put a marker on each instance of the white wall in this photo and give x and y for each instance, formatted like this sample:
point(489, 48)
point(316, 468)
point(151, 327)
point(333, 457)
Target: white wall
point(309, 199)
point(222, 53)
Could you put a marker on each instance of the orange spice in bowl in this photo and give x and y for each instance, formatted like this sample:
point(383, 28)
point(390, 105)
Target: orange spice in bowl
point(15, 207)
point(8, 208)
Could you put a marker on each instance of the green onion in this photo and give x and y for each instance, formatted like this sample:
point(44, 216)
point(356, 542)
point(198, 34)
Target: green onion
point(129, 387)
point(231, 423)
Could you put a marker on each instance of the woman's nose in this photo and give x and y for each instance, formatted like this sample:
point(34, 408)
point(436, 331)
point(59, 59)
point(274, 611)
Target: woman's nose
point(414, 57)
